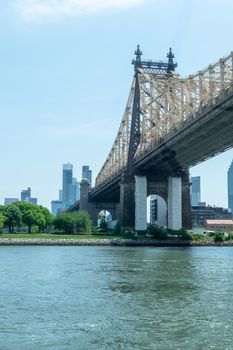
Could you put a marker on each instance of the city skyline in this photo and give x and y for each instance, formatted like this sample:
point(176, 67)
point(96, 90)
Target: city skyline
point(55, 111)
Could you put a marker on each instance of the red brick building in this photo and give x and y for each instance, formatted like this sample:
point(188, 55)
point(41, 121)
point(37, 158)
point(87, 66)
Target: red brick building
point(219, 225)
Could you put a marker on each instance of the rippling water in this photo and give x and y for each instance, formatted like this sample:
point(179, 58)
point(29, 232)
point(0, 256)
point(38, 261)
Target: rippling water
point(116, 298)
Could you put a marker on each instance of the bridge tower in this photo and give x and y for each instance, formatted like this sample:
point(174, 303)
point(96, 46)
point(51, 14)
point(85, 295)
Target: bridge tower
point(134, 186)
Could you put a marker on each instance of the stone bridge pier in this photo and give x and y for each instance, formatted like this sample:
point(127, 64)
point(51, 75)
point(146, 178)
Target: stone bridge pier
point(94, 208)
point(131, 211)
point(175, 190)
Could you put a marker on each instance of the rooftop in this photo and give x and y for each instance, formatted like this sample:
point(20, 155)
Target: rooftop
point(220, 222)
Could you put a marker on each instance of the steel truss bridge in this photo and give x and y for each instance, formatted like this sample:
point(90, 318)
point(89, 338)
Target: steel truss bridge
point(170, 123)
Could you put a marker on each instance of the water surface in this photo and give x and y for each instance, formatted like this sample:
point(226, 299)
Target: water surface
point(116, 298)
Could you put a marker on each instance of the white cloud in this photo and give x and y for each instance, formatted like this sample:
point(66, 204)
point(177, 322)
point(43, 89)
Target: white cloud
point(33, 10)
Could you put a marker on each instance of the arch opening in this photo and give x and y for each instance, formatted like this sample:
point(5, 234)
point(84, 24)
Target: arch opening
point(156, 210)
point(104, 217)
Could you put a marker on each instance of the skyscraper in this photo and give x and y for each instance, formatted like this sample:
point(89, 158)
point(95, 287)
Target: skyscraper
point(55, 207)
point(158, 211)
point(230, 186)
point(26, 195)
point(9, 201)
point(87, 174)
point(77, 190)
point(60, 195)
point(67, 185)
point(195, 190)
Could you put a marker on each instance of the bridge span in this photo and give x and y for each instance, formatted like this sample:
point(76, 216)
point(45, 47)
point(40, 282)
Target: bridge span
point(170, 124)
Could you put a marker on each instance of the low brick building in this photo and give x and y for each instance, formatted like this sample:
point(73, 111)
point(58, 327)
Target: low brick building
point(219, 225)
point(203, 212)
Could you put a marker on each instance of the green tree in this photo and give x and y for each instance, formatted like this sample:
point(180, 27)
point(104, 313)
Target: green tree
point(219, 237)
point(30, 219)
point(13, 217)
point(2, 221)
point(35, 215)
point(64, 223)
point(45, 218)
point(28, 213)
point(73, 222)
point(82, 221)
point(103, 225)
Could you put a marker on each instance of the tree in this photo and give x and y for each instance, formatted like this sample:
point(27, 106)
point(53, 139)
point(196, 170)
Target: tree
point(35, 215)
point(2, 221)
point(45, 218)
point(30, 219)
point(103, 224)
point(82, 221)
point(13, 217)
point(73, 222)
point(28, 213)
point(64, 223)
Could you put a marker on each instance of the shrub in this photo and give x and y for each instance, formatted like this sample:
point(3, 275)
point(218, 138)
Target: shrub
point(198, 236)
point(82, 221)
point(117, 228)
point(219, 237)
point(63, 222)
point(229, 236)
point(103, 225)
point(186, 235)
point(157, 232)
point(73, 222)
point(128, 234)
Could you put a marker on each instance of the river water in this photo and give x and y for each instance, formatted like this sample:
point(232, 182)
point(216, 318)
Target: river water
point(116, 298)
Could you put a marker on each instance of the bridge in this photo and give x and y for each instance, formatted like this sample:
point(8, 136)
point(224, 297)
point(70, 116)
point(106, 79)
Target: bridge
point(170, 124)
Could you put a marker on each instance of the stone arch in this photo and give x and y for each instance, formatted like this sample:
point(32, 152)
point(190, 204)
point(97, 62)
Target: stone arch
point(106, 214)
point(157, 188)
point(157, 211)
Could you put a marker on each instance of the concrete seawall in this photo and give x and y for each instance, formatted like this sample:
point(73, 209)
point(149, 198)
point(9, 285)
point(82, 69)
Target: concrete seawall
point(108, 242)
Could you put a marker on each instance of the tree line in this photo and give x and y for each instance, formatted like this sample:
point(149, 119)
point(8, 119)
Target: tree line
point(39, 219)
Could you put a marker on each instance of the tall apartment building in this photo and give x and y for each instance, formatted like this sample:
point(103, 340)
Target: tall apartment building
point(26, 196)
point(55, 207)
point(158, 211)
point(70, 192)
point(60, 195)
point(76, 189)
point(195, 190)
point(67, 185)
point(153, 209)
point(87, 174)
point(230, 186)
point(8, 201)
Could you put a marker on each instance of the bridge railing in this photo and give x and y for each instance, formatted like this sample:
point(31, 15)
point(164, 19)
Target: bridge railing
point(168, 103)
point(117, 157)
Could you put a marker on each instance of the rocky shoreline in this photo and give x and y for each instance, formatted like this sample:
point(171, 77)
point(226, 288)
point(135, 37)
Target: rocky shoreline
point(109, 242)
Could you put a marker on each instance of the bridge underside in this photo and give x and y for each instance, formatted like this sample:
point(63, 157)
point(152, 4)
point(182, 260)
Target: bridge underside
point(200, 139)
point(207, 136)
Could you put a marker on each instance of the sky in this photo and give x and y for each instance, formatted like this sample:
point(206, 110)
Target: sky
point(65, 76)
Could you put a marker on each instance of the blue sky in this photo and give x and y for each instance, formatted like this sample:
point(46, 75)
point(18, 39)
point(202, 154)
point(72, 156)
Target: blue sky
point(66, 72)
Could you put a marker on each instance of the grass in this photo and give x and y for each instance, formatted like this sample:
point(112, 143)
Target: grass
point(56, 236)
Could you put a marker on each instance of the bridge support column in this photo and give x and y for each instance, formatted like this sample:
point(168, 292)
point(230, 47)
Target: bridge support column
point(140, 203)
point(127, 202)
point(174, 202)
point(186, 203)
point(84, 195)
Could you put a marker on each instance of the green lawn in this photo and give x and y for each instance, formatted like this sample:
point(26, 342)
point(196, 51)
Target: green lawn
point(57, 236)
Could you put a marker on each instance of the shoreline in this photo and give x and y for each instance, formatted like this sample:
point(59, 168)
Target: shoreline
point(110, 242)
